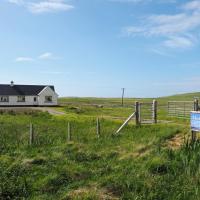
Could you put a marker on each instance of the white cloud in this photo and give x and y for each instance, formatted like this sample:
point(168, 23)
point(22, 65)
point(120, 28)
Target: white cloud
point(128, 1)
point(179, 42)
point(49, 6)
point(46, 55)
point(133, 30)
point(165, 25)
point(144, 1)
point(193, 5)
point(43, 6)
point(18, 2)
point(179, 30)
point(24, 59)
point(160, 52)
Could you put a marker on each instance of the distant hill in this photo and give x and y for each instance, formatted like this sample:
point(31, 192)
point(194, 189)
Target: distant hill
point(183, 97)
point(127, 101)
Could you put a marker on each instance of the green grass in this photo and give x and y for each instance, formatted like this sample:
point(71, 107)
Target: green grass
point(111, 107)
point(127, 101)
point(137, 164)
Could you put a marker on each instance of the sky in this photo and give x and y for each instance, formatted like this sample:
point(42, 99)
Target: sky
point(97, 47)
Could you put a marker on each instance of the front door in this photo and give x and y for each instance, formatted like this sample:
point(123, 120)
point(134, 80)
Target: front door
point(35, 101)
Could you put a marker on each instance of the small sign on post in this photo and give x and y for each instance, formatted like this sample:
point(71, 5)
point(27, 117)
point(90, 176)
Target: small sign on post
point(195, 123)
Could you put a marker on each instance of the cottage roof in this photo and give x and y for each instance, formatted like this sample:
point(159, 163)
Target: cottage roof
point(27, 90)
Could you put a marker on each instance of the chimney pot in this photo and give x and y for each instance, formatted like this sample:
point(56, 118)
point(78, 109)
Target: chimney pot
point(12, 83)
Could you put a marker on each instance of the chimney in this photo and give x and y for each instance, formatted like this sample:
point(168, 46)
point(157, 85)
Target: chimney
point(12, 83)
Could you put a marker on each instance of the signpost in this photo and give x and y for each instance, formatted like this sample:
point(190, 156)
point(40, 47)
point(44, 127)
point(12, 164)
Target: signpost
point(195, 123)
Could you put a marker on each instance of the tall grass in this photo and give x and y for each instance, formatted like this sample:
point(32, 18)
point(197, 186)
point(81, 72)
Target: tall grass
point(136, 164)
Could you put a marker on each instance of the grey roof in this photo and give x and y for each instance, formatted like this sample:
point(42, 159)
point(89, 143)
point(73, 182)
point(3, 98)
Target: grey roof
point(22, 89)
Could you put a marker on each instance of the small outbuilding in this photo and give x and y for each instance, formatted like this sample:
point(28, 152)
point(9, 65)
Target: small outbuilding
point(27, 95)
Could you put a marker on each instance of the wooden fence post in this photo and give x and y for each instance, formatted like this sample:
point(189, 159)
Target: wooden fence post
point(193, 136)
point(137, 113)
point(69, 131)
point(98, 128)
point(196, 105)
point(154, 109)
point(31, 134)
point(196, 108)
point(168, 106)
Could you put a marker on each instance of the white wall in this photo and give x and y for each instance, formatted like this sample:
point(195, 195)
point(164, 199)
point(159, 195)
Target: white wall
point(47, 91)
point(29, 100)
point(13, 101)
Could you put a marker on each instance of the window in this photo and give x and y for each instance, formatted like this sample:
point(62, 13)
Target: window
point(4, 99)
point(21, 99)
point(35, 99)
point(48, 98)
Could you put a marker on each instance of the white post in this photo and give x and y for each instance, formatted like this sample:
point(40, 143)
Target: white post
point(125, 123)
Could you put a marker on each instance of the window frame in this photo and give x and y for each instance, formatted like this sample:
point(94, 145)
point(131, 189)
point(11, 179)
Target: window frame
point(2, 97)
point(21, 100)
point(48, 101)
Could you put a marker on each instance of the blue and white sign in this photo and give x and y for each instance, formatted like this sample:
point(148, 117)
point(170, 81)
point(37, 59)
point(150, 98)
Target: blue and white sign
point(195, 120)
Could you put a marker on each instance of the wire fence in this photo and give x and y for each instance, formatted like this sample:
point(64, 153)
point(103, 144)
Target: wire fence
point(17, 135)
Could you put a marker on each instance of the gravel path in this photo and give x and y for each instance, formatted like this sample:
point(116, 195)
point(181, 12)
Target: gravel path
point(51, 111)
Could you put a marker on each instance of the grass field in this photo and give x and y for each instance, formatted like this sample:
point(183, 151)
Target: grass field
point(147, 162)
point(129, 101)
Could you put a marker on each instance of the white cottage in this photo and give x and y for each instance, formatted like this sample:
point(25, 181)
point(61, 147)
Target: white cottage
point(27, 95)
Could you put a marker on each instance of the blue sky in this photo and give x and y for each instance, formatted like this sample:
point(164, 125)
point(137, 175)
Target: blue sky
point(96, 47)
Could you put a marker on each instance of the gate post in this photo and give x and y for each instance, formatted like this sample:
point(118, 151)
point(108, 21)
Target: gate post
point(196, 105)
point(137, 113)
point(194, 136)
point(154, 109)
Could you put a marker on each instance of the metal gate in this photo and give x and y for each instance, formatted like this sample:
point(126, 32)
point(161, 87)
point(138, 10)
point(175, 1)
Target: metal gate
point(181, 109)
point(148, 112)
